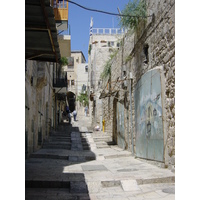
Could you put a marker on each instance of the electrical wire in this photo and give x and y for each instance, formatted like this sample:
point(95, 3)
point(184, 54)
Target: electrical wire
point(105, 12)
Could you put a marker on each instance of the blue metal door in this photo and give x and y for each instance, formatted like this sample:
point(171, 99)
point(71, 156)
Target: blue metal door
point(120, 125)
point(148, 110)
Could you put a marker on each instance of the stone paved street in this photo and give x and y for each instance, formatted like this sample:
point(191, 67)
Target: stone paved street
point(77, 163)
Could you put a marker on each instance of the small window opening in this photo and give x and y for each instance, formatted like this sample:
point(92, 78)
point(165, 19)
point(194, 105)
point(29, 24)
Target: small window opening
point(146, 53)
point(86, 68)
point(31, 80)
point(72, 82)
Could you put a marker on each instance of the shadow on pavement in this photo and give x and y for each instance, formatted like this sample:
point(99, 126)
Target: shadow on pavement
point(46, 173)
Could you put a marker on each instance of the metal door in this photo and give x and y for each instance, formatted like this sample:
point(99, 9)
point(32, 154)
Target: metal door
point(148, 110)
point(120, 125)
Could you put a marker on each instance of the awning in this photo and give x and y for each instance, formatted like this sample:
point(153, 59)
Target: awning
point(40, 32)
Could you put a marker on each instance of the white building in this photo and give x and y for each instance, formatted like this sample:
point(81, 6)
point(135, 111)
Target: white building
point(82, 78)
point(77, 58)
point(103, 42)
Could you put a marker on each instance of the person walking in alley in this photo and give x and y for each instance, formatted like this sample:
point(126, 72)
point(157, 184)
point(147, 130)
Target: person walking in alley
point(74, 114)
point(86, 110)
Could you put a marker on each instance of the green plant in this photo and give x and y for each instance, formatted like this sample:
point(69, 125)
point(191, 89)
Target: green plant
point(128, 58)
point(83, 99)
point(133, 8)
point(90, 48)
point(107, 68)
point(63, 61)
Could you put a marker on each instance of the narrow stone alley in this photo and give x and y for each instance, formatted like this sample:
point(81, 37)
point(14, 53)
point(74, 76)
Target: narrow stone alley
point(78, 163)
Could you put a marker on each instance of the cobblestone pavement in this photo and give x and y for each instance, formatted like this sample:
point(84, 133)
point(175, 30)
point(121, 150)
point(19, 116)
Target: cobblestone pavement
point(79, 164)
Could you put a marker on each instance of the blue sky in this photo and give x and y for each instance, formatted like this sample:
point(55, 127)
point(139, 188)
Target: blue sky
point(79, 20)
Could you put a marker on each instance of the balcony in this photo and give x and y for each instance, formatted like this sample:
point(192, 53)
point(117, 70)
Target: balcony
point(61, 14)
point(60, 8)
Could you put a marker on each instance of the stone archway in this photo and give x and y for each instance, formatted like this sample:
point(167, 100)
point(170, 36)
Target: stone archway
point(71, 98)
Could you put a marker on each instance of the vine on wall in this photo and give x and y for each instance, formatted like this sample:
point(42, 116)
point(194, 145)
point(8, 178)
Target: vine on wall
point(133, 8)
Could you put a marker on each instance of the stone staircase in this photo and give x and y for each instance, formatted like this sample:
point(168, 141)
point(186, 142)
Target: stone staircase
point(45, 178)
point(103, 140)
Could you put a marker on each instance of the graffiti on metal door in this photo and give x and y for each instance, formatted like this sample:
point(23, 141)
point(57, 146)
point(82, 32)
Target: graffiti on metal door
point(120, 125)
point(148, 109)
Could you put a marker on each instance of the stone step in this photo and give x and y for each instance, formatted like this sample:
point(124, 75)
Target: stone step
point(71, 187)
point(56, 146)
point(57, 143)
point(81, 158)
point(60, 138)
point(100, 145)
point(72, 158)
point(118, 156)
point(46, 184)
point(168, 179)
point(103, 139)
point(45, 194)
point(49, 156)
point(111, 183)
point(60, 135)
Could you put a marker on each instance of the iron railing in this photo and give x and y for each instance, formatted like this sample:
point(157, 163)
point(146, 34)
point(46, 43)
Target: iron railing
point(108, 31)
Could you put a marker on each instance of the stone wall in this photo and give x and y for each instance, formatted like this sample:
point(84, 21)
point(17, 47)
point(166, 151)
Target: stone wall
point(39, 102)
point(100, 52)
point(158, 34)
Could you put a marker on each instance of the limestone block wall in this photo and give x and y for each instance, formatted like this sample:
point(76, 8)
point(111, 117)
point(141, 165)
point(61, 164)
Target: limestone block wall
point(158, 33)
point(38, 102)
point(100, 52)
point(160, 36)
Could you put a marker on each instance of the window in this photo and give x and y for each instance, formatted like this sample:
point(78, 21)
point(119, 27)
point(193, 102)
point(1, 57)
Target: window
point(111, 44)
point(86, 68)
point(145, 49)
point(70, 62)
point(72, 82)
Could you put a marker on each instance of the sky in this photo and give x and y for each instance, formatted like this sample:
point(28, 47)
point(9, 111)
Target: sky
point(79, 20)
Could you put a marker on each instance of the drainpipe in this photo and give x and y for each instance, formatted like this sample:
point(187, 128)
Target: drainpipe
point(130, 83)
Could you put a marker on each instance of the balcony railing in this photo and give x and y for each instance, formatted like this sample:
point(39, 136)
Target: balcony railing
point(108, 31)
point(60, 9)
point(59, 83)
